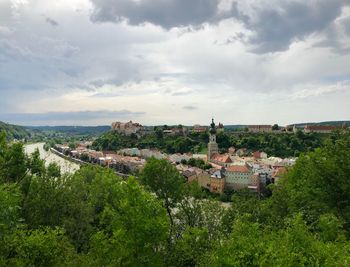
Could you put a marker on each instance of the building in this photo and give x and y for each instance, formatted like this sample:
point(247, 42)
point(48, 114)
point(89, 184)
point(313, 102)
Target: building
point(127, 128)
point(199, 129)
point(319, 129)
point(232, 150)
point(259, 155)
point(260, 128)
point(222, 160)
point(213, 147)
point(238, 177)
point(217, 182)
point(220, 127)
point(278, 173)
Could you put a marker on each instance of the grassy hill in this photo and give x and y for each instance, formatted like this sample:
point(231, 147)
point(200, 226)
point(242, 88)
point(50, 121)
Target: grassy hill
point(14, 131)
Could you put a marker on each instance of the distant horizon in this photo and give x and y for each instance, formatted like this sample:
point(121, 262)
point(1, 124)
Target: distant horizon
point(174, 124)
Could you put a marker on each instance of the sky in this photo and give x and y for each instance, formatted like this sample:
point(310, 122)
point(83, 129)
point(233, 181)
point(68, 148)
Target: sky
point(92, 62)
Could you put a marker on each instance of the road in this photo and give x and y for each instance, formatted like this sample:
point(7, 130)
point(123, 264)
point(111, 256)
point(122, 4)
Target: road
point(49, 157)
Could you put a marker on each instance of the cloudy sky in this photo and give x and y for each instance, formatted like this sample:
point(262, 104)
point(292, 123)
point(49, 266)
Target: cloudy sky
point(91, 62)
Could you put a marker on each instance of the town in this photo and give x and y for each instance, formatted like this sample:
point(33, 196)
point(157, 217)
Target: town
point(233, 170)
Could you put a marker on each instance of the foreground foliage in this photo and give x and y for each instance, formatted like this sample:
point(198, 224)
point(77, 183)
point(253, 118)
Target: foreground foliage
point(94, 218)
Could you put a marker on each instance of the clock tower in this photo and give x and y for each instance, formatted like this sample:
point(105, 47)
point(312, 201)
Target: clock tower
point(212, 145)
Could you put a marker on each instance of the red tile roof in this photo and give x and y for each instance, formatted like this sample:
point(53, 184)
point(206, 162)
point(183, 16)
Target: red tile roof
point(238, 168)
point(222, 158)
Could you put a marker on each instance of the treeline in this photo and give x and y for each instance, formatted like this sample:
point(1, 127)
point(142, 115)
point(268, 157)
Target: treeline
point(14, 131)
point(193, 142)
point(279, 145)
point(94, 218)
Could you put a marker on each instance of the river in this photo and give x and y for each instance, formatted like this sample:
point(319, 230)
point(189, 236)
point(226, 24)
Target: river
point(49, 157)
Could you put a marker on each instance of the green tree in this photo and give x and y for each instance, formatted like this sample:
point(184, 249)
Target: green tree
point(318, 183)
point(36, 165)
point(165, 181)
point(53, 170)
point(42, 247)
point(135, 228)
point(12, 161)
point(10, 199)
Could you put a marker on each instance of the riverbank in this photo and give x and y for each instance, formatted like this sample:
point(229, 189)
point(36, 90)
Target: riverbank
point(66, 166)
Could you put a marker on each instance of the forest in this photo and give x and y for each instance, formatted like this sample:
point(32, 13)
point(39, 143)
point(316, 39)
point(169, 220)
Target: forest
point(279, 145)
point(95, 218)
point(14, 131)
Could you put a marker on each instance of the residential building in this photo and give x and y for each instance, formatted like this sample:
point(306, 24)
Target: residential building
point(232, 150)
point(277, 173)
point(222, 160)
point(260, 128)
point(238, 177)
point(177, 158)
point(217, 182)
point(259, 155)
point(199, 129)
point(319, 129)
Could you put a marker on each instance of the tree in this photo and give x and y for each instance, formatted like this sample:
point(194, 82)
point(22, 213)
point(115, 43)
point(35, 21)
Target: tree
point(12, 161)
point(165, 181)
point(36, 165)
point(275, 127)
point(319, 183)
point(134, 228)
point(10, 199)
point(53, 170)
point(42, 247)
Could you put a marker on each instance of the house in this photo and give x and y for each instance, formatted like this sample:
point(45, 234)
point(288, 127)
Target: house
point(241, 152)
point(238, 177)
point(200, 156)
point(222, 160)
point(217, 182)
point(259, 155)
point(277, 174)
point(319, 129)
point(231, 150)
point(199, 129)
point(260, 128)
point(195, 174)
point(190, 175)
point(177, 158)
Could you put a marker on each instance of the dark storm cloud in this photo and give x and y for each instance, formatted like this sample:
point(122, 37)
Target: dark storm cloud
point(275, 24)
point(64, 117)
point(277, 27)
point(166, 13)
point(51, 22)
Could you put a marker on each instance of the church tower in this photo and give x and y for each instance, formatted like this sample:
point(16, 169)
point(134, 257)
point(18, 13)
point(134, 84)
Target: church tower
point(212, 145)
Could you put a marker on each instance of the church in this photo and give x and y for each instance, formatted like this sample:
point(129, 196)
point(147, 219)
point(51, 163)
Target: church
point(229, 175)
point(213, 147)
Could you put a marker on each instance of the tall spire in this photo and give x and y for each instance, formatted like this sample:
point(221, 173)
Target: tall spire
point(212, 127)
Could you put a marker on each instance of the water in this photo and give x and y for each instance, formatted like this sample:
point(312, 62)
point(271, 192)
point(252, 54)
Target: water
point(49, 157)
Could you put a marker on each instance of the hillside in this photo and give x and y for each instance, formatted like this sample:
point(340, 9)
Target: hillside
point(72, 130)
point(13, 131)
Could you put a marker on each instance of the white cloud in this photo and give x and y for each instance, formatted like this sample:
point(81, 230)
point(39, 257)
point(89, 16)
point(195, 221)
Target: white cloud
point(180, 75)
